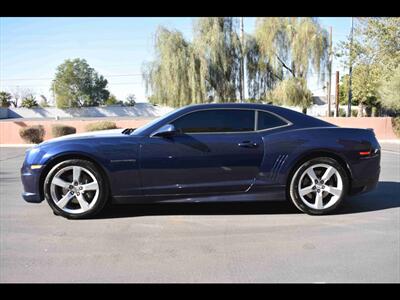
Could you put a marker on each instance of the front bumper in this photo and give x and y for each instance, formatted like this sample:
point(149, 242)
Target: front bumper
point(30, 181)
point(31, 197)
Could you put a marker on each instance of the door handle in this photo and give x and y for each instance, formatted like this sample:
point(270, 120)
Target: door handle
point(248, 144)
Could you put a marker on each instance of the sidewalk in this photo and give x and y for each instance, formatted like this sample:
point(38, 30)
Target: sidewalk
point(390, 145)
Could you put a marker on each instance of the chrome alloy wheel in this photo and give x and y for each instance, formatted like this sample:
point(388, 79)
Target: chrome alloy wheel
point(74, 189)
point(320, 186)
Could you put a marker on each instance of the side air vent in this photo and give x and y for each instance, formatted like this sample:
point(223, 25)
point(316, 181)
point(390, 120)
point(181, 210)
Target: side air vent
point(278, 165)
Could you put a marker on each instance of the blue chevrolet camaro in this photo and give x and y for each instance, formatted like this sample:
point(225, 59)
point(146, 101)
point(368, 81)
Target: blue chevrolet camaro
point(208, 152)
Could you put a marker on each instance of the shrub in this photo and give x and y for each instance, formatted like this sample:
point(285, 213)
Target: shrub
point(354, 112)
point(342, 112)
point(374, 112)
point(103, 125)
point(396, 125)
point(29, 102)
point(60, 130)
point(5, 99)
point(112, 100)
point(32, 134)
point(131, 100)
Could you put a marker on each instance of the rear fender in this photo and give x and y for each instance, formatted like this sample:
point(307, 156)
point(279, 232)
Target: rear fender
point(283, 151)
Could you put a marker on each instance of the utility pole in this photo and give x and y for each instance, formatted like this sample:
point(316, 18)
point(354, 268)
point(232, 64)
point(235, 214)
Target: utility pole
point(350, 70)
point(242, 94)
point(337, 94)
point(330, 71)
point(327, 97)
point(54, 93)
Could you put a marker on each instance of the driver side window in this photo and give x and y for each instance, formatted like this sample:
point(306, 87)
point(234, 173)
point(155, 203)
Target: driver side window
point(216, 120)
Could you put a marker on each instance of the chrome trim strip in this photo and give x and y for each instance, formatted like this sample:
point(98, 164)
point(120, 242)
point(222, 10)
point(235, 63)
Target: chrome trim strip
point(122, 160)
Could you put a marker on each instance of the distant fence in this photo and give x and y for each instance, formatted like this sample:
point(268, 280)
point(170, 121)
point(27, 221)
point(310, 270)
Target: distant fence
point(144, 110)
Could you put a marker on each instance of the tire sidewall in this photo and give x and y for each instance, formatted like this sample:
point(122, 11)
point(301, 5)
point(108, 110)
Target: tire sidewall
point(294, 182)
point(103, 191)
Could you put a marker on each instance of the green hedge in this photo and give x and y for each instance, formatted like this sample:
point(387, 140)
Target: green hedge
point(60, 130)
point(32, 134)
point(103, 125)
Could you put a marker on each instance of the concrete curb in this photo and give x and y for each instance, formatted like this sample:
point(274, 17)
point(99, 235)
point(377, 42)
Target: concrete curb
point(390, 141)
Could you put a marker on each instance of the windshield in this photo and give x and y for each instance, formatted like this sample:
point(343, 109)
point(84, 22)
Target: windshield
point(151, 123)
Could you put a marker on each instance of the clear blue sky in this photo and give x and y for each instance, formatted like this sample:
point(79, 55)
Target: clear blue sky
point(32, 48)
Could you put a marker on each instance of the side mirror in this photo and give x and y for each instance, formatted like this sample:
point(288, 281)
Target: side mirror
point(167, 130)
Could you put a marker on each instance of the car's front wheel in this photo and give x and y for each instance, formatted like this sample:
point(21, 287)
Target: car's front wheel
point(318, 186)
point(75, 188)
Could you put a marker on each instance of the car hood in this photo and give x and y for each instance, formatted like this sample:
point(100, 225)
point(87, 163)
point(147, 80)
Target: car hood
point(87, 135)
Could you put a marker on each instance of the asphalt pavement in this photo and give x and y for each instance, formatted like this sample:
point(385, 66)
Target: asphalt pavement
point(216, 242)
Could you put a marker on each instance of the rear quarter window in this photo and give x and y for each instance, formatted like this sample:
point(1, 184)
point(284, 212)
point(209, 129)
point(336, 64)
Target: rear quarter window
point(268, 120)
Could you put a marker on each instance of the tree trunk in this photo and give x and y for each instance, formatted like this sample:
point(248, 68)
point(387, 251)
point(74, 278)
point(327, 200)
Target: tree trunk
point(360, 110)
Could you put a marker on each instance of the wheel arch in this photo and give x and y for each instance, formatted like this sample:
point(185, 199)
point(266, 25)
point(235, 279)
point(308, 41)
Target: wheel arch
point(320, 153)
point(65, 156)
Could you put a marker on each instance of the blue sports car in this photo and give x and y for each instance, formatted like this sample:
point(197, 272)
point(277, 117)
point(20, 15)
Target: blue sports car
point(208, 152)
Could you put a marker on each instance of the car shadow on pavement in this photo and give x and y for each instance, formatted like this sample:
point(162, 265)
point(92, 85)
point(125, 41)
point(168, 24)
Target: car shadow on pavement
point(221, 208)
point(386, 195)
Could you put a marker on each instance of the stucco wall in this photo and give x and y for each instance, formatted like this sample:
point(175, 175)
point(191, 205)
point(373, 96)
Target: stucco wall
point(382, 125)
point(9, 130)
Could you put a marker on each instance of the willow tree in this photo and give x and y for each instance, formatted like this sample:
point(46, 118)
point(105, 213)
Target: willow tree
point(292, 92)
point(219, 51)
point(260, 76)
point(293, 47)
point(168, 75)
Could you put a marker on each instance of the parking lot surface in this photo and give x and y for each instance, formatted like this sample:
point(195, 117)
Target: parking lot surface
point(215, 242)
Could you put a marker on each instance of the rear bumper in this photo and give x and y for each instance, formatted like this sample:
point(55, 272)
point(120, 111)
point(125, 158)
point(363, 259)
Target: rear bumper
point(370, 177)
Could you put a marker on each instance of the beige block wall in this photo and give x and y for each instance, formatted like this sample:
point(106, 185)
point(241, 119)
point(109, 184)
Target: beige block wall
point(9, 130)
point(382, 125)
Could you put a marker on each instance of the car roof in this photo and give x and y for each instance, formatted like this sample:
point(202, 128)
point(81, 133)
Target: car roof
point(230, 105)
point(300, 119)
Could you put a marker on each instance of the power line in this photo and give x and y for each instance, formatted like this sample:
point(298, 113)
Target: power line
point(29, 79)
point(47, 85)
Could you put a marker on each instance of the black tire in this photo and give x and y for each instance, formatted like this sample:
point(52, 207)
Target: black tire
point(293, 185)
point(102, 187)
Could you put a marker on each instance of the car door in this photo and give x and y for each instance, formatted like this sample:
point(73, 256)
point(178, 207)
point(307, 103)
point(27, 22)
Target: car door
point(216, 150)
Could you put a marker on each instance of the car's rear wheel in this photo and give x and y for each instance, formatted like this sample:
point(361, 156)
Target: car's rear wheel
point(318, 186)
point(75, 188)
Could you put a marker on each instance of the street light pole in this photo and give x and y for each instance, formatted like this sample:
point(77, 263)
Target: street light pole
point(330, 71)
point(242, 91)
point(350, 70)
